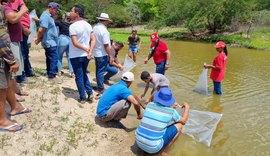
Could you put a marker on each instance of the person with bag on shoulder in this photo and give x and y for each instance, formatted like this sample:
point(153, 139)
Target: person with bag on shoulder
point(160, 53)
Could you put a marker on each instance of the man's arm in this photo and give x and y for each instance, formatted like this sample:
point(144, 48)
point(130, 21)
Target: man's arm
point(75, 42)
point(184, 117)
point(137, 105)
point(40, 33)
point(92, 45)
point(108, 51)
point(145, 90)
point(14, 17)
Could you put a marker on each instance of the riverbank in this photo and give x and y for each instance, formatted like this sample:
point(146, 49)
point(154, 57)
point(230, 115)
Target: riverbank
point(59, 124)
point(258, 38)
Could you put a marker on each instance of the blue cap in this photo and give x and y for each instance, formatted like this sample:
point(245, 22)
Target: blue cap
point(164, 97)
point(54, 5)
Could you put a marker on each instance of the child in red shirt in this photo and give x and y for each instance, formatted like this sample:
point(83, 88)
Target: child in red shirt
point(218, 66)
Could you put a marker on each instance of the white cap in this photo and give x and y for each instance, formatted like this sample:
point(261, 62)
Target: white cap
point(128, 76)
point(104, 16)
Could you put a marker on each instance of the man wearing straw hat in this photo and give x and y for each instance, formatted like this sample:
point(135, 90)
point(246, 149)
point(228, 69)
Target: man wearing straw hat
point(101, 51)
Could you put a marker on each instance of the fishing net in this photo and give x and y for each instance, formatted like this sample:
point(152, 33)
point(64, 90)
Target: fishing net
point(201, 125)
point(202, 83)
point(33, 26)
point(128, 65)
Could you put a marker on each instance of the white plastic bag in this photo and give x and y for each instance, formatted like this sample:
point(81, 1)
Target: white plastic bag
point(128, 65)
point(201, 125)
point(202, 84)
point(33, 26)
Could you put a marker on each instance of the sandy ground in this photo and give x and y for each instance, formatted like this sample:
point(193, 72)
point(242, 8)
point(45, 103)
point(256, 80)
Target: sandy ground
point(59, 125)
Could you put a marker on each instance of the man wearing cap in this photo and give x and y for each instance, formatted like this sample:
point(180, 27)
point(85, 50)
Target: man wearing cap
point(102, 52)
point(48, 36)
point(160, 53)
point(116, 100)
point(161, 123)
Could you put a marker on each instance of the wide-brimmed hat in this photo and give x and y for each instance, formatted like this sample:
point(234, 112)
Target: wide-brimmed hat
point(164, 97)
point(54, 5)
point(128, 76)
point(220, 44)
point(104, 16)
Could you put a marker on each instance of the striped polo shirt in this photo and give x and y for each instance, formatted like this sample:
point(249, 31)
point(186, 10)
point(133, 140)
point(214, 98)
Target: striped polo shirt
point(156, 119)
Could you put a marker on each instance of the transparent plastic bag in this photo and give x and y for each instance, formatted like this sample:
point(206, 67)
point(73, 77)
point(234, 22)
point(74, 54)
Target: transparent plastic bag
point(33, 26)
point(201, 125)
point(129, 64)
point(202, 83)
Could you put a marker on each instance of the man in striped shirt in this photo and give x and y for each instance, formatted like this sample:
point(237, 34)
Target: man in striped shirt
point(161, 123)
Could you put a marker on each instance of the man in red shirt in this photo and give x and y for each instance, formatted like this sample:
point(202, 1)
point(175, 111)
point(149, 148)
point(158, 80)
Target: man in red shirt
point(160, 53)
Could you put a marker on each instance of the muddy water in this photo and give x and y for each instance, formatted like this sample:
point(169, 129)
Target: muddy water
point(245, 103)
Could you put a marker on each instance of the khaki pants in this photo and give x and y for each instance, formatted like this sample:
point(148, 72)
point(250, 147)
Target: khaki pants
point(117, 111)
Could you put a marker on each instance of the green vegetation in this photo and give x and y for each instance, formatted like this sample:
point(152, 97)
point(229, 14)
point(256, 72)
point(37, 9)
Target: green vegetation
point(242, 22)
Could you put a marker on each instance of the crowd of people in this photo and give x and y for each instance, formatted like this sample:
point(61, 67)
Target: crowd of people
point(161, 122)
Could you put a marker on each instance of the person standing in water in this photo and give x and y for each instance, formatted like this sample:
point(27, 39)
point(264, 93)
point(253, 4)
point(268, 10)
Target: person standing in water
point(134, 43)
point(218, 66)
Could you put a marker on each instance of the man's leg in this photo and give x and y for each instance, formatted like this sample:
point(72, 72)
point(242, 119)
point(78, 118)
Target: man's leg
point(171, 135)
point(111, 71)
point(134, 56)
point(25, 52)
point(160, 68)
point(86, 81)
point(101, 64)
point(51, 61)
point(117, 111)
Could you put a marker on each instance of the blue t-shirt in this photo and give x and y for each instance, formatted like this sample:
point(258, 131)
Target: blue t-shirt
point(156, 119)
point(113, 94)
point(50, 36)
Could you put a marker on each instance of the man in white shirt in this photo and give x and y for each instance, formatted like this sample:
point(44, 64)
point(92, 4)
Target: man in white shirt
point(102, 50)
point(80, 51)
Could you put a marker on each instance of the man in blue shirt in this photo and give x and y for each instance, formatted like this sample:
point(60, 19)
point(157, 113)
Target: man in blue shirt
point(161, 123)
point(116, 100)
point(48, 36)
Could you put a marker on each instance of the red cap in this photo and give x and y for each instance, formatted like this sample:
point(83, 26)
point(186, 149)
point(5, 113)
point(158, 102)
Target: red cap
point(220, 44)
point(154, 36)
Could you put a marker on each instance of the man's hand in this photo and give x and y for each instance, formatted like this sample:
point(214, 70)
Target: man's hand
point(142, 96)
point(121, 67)
point(145, 61)
point(37, 41)
point(14, 68)
point(139, 117)
point(111, 59)
point(166, 66)
point(185, 105)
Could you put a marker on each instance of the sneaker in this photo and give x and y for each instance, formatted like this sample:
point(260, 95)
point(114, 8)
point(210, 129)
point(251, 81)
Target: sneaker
point(90, 98)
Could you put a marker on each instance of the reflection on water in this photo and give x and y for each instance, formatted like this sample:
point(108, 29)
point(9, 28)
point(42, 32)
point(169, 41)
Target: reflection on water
point(245, 104)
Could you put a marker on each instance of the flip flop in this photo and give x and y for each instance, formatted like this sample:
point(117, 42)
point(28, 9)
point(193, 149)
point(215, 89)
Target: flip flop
point(19, 98)
point(23, 93)
point(24, 111)
point(7, 128)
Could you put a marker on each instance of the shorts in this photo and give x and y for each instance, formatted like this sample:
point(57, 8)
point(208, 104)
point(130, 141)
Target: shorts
point(169, 135)
point(17, 52)
point(133, 48)
point(4, 74)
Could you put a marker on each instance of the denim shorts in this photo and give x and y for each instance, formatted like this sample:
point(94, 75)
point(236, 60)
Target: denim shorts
point(133, 48)
point(169, 135)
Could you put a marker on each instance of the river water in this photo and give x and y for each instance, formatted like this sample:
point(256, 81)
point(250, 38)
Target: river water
point(245, 104)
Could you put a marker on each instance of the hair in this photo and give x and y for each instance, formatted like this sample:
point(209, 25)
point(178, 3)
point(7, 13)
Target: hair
point(120, 44)
point(79, 9)
point(145, 75)
point(225, 50)
point(134, 31)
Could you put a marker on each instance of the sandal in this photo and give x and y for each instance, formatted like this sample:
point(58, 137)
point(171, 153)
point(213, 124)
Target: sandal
point(9, 128)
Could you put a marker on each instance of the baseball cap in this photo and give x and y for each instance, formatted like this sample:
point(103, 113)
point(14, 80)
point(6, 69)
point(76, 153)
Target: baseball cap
point(220, 44)
point(54, 5)
point(128, 76)
point(154, 36)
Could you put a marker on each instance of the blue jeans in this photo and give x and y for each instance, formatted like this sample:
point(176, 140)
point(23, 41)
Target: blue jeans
point(51, 61)
point(111, 71)
point(63, 46)
point(27, 65)
point(101, 65)
point(217, 87)
point(160, 68)
point(80, 65)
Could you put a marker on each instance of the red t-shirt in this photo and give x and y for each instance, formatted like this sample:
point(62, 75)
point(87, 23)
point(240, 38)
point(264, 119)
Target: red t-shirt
point(220, 62)
point(160, 54)
point(14, 30)
point(25, 20)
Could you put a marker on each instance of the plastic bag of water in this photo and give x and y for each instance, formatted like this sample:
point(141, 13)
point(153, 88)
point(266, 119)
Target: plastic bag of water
point(202, 83)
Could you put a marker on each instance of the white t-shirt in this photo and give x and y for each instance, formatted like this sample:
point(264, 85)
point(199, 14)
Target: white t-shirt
point(102, 37)
point(82, 30)
point(159, 80)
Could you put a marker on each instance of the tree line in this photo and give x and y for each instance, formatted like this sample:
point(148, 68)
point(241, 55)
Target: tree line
point(210, 16)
